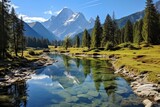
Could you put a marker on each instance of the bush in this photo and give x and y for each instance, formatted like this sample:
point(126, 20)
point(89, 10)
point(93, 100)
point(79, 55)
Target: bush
point(96, 50)
point(116, 48)
point(31, 52)
point(125, 45)
point(131, 47)
point(145, 45)
point(109, 46)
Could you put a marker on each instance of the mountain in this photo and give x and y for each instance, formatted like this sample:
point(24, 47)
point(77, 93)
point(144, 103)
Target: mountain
point(39, 28)
point(133, 18)
point(157, 4)
point(68, 22)
point(30, 32)
point(48, 23)
point(136, 16)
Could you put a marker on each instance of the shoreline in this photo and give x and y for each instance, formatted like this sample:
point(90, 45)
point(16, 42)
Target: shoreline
point(19, 74)
point(148, 91)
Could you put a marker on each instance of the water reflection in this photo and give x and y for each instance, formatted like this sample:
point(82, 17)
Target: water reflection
point(72, 82)
point(14, 95)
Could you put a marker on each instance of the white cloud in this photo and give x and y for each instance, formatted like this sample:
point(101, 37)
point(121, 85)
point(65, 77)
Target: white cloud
point(14, 6)
point(92, 5)
point(48, 12)
point(91, 2)
point(32, 19)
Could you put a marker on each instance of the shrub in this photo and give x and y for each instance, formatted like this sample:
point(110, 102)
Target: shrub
point(31, 52)
point(131, 47)
point(116, 48)
point(109, 46)
point(125, 45)
point(96, 50)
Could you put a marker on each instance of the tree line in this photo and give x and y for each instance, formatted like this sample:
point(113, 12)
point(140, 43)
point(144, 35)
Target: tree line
point(11, 31)
point(12, 39)
point(109, 35)
point(37, 42)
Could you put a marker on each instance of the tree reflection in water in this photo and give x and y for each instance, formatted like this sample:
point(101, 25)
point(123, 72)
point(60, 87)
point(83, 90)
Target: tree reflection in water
point(14, 95)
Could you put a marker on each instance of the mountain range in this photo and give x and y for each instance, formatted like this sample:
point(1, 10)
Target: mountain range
point(68, 22)
point(71, 23)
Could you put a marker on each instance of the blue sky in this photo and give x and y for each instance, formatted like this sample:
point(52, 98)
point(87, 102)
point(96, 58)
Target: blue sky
point(41, 10)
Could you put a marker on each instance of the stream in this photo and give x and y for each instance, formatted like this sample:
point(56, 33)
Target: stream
point(71, 82)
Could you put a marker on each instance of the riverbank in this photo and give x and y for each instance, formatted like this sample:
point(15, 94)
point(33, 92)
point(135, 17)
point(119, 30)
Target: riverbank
point(149, 91)
point(23, 69)
point(139, 65)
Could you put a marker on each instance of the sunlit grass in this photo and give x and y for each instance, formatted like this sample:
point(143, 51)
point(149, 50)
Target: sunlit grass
point(149, 62)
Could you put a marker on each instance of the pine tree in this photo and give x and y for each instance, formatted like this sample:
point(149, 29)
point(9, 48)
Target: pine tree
point(96, 34)
point(150, 24)
point(110, 30)
point(137, 34)
point(22, 38)
point(84, 38)
point(14, 24)
point(77, 41)
point(128, 32)
point(117, 37)
point(115, 31)
point(4, 28)
point(67, 42)
point(122, 35)
point(88, 41)
point(107, 31)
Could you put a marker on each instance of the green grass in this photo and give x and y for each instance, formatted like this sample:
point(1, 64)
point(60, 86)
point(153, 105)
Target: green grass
point(137, 61)
point(32, 57)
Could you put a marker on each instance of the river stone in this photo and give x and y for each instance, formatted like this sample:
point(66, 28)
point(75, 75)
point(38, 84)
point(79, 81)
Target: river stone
point(104, 104)
point(72, 99)
point(157, 99)
point(65, 94)
point(2, 79)
point(147, 103)
point(112, 105)
point(83, 95)
point(104, 96)
point(93, 93)
point(147, 93)
point(55, 101)
point(146, 87)
point(130, 102)
point(117, 98)
point(96, 103)
point(122, 90)
point(64, 104)
point(72, 92)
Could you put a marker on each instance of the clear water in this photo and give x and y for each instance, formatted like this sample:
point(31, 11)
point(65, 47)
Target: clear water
point(71, 82)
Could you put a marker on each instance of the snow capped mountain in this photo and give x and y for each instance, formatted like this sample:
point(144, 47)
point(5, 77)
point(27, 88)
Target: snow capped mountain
point(48, 23)
point(69, 23)
point(40, 29)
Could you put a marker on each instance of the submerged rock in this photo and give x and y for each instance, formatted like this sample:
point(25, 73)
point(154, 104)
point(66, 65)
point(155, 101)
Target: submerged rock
point(147, 103)
point(93, 93)
point(72, 99)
